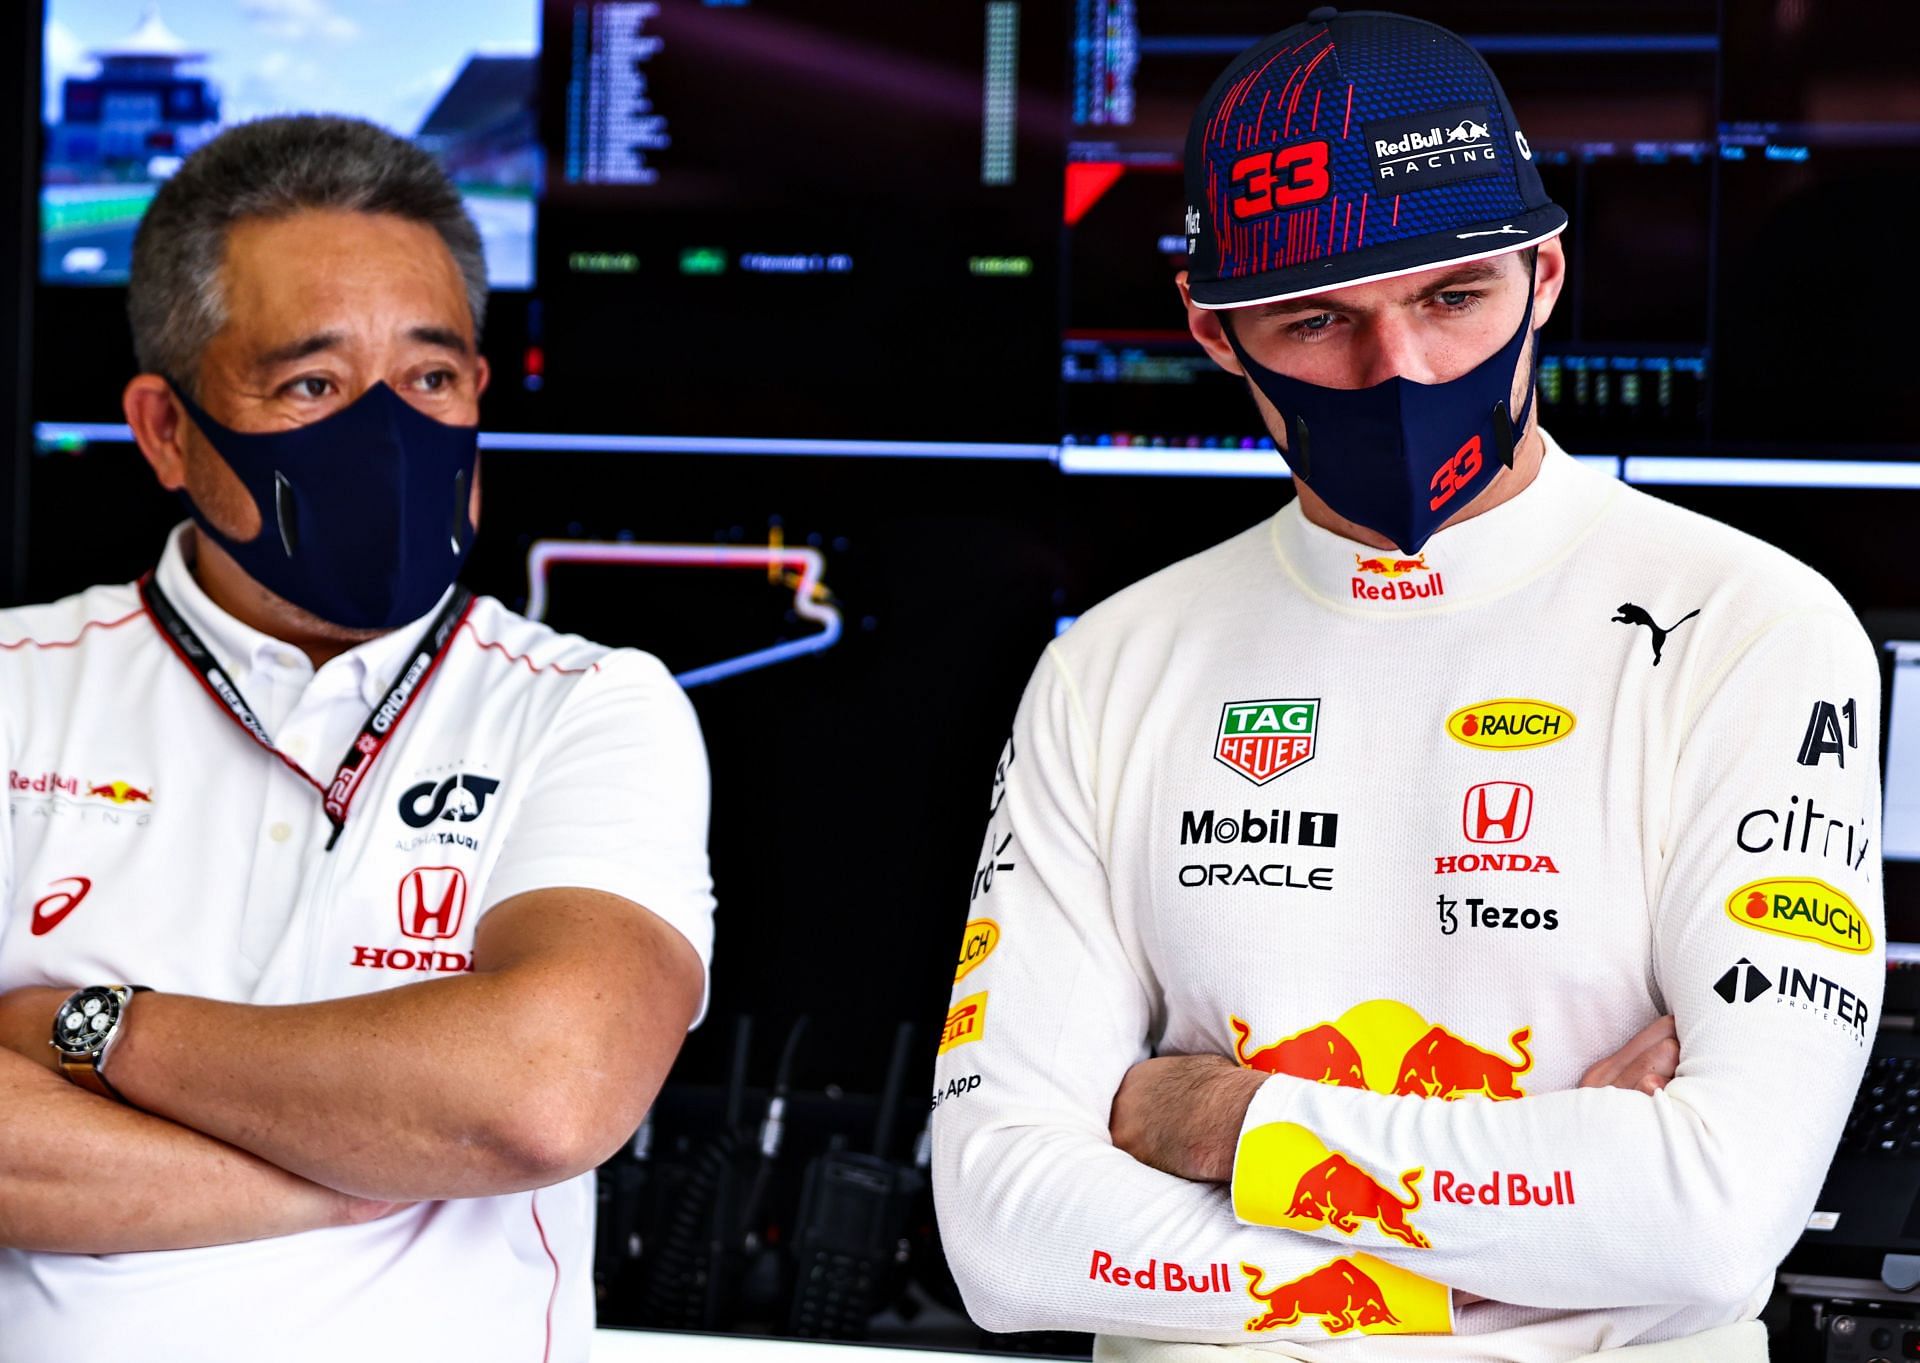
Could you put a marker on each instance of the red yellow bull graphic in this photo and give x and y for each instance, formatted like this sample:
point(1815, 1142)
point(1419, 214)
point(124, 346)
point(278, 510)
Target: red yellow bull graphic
point(1386, 1046)
point(1283, 1176)
point(966, 1021)
point(1358, 1292)
point(1508, 723)
point(120, 793)
point(1804, 908)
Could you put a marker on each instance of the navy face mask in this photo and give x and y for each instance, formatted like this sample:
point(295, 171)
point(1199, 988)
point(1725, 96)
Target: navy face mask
point(363, 514)
point(1401, 457)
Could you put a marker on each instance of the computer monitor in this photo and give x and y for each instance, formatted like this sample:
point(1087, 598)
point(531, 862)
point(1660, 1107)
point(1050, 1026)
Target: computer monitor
point(133, 86)
point(1897, 637)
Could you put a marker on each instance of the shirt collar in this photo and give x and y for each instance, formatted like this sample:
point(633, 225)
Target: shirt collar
point(242, 651)
point(1487, 556)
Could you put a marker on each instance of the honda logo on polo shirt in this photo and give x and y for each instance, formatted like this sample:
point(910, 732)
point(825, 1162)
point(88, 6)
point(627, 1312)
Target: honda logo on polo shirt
point(458, 799)
point(1497, 811)
point(433, 902)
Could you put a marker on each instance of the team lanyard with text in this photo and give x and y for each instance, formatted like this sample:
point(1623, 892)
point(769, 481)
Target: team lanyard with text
point(380, 726)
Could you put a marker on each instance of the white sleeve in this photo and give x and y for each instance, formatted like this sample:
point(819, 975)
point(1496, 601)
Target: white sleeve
point(1046, 1224)
point(619, 801)
point(1767, 951)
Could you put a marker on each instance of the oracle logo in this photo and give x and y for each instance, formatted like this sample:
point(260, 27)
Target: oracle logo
point(1497, 811)
point(433, 902)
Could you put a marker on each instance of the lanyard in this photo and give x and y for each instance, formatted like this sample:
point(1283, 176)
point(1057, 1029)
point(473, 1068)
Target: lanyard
point(380, 725)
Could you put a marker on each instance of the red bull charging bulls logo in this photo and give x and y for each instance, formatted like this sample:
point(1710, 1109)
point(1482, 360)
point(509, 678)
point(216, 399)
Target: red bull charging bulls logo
point(1283, 1176)
point(1386, 1046)
point(1358, 1292)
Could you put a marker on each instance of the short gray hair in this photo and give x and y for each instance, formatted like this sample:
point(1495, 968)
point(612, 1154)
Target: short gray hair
point(270, 168)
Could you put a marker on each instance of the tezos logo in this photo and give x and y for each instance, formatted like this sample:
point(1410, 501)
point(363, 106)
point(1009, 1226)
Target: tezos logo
point(1481, 914)
point(1262, 739)
point(458, 799)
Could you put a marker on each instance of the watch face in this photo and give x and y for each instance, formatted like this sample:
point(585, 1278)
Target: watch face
point(86, 1020)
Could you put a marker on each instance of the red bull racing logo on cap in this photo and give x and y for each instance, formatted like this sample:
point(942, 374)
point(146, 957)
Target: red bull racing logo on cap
point(1802, 907)
point(1262, 739)
point(1283, 1176)
point(1358, 1292)
point(1386, 1046)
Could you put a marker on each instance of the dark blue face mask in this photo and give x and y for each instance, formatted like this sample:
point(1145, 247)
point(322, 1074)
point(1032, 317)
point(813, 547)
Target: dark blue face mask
point(1401, 457)
point(363, 514)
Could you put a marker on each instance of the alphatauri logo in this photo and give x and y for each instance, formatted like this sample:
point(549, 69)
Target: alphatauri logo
point(458, 799)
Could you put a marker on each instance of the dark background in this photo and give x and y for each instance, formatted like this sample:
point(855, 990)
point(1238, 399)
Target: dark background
point(1742, 180)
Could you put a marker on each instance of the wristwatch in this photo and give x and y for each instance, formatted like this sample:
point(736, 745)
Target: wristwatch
point(85, 1029)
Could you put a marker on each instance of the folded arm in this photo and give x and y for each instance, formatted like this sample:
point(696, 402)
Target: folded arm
point(528, 1071)
point(82, 1175)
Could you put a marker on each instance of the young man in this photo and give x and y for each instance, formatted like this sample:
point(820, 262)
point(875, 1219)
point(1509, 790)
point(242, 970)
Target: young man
point(1472, 774)
point(399, 1002)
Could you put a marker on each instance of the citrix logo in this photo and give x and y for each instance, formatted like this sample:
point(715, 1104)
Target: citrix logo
point(458, 799)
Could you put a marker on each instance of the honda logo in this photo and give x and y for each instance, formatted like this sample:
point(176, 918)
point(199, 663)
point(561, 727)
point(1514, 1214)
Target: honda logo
point(433, 902)
point(1497, 811)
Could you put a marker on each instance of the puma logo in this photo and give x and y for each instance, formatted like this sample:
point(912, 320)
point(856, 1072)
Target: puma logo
point(1631, 614)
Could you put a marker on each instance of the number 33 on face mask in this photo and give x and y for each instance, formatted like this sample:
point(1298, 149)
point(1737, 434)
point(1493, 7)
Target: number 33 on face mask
point(1455, 474)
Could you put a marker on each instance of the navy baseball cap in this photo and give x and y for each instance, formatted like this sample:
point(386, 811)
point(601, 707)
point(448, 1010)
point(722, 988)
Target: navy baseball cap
point(1355, 146)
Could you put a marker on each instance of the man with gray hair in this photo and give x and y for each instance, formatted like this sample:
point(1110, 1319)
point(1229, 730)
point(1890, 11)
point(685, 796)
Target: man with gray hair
point(347, 920)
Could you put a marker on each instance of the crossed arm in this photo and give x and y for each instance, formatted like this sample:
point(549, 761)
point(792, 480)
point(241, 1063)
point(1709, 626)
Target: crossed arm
point(526, 1072)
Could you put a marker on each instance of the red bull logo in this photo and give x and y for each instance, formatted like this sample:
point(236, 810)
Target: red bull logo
point(1320, 1053)
point(1441, 1065)
point(1342, 1194)
point(1358, 1292)
point(1263, 739)
point(121, 793)
point(1518, 1190)
point(1156, 1276)
point(1386, 1046)
point(1392, 569)
point(1283, 1176)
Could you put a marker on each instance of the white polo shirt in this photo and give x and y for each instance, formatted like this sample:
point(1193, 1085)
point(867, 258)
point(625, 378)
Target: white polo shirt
point(150, 839)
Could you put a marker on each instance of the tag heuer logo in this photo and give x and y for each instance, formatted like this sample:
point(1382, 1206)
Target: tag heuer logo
point(1262, 739)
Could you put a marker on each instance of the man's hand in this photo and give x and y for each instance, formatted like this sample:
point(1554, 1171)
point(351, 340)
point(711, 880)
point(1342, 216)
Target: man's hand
point(1182, 1114)
point(26, 1023)
point(1644, 1063)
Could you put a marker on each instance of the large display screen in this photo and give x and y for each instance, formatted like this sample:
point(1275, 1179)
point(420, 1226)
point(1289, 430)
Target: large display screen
point(130, 87)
